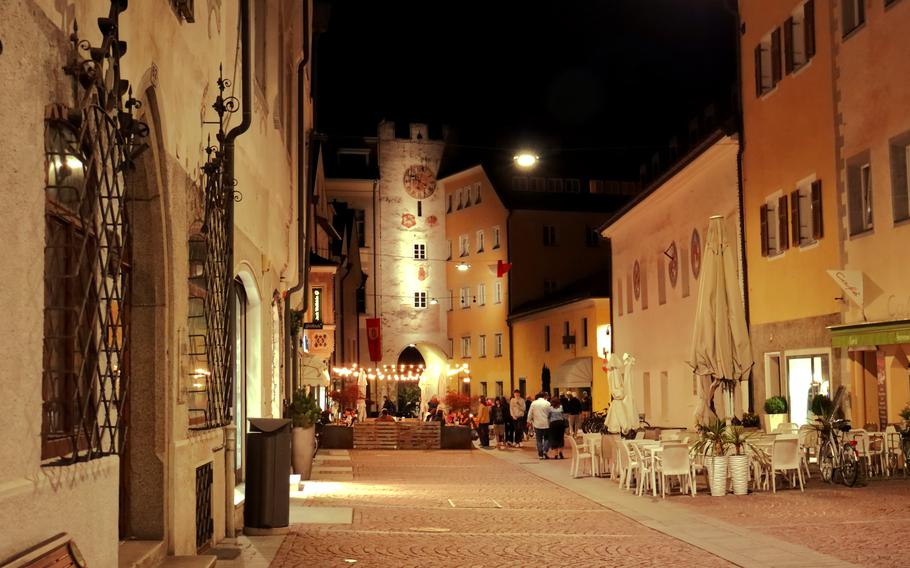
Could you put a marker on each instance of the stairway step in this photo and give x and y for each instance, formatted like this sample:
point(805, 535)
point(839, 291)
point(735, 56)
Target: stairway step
point(140, 553)
point(200, 561)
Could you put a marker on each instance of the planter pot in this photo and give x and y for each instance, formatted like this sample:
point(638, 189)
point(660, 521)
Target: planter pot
point(771, 421)
point(717, 474)
point(455, 438)
point(303, 448)
point(739, 473)
point(336, 438)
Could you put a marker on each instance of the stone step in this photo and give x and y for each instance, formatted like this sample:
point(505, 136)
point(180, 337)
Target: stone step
point(200, 561)
point(140, 553)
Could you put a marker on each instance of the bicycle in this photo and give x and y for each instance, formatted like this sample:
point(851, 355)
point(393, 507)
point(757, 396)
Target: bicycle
point(595, 423)
point(837, 457)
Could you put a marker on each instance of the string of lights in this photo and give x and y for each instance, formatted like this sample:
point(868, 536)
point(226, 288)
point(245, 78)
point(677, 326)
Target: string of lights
point(395, 373)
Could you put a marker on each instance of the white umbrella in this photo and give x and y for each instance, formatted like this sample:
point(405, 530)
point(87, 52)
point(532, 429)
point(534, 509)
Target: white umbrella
point(361, 402)
point(721, 351)
point(621, 415)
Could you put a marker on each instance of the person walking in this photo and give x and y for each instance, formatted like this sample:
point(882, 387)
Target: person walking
point(498, 418)
point(539, 419)
point(573, 412)
point(557, 430)
point(517, 410)
point(483, 422)
point(586, 405)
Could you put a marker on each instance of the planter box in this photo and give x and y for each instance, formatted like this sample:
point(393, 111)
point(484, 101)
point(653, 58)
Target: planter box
point(771, 421)
point(337, 438)
point(455, 438)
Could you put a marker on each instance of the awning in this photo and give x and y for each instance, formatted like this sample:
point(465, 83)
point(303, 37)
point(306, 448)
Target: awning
point(870, 333)
point(574, 373)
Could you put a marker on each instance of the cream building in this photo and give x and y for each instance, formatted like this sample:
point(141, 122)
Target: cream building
point(157, 443)
point(656, 243)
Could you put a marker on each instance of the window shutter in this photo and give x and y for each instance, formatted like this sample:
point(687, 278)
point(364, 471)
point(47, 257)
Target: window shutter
point(809, 28)
point(794, 218)
point(764, 230)
point(783, 229)
point(788, 46)
point(775, 57)
point(817, 227)
point(900, 163)
point(758, 85)
point(854, 200)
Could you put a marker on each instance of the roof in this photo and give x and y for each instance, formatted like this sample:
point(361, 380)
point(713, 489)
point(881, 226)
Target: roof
point(350, 157)
point(316, 260)
point(590, 287)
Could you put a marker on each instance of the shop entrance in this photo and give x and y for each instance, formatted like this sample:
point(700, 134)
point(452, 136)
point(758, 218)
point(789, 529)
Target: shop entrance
point(807, 376)
point(407, 394)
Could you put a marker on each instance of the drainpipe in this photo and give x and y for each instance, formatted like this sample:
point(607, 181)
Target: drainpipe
point(508, 307)
point(303, 206)
point(227, 184)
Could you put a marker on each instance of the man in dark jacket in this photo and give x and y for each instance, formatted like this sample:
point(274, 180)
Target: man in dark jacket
point(573, 410)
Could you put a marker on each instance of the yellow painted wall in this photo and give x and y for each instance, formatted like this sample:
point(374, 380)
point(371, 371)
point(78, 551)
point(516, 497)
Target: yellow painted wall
point(530, 356)
point(477, 320)
point(789, 135)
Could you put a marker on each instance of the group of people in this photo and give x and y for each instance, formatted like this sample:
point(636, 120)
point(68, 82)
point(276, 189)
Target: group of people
point(505, 416)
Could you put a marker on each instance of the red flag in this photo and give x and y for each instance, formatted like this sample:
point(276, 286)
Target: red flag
point(374, 338)
point(502, 268)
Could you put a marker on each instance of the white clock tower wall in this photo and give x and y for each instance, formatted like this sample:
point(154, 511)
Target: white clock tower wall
point(402, 224)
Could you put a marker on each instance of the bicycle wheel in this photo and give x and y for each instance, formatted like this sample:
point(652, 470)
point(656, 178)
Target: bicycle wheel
point(905, 446)
point(826, 462)
point(849, 467)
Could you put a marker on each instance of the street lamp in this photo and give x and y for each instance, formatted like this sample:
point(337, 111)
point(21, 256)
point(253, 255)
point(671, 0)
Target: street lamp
point(526, 159)
point(462, 266)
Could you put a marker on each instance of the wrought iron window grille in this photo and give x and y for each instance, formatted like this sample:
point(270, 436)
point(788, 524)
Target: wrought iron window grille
point(88, 148)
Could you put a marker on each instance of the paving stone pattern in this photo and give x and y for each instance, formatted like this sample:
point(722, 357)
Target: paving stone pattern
point(504, 516)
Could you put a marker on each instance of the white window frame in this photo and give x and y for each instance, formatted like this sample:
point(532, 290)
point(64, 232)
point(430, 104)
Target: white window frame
point(497, 292)
point(497, 345)
point(482, 346)
point(798, 33)
point(420, 300)
point(465, 298)
point(451, 300)
point(497, 235)
point(464, 245)
point(866, 196)
point(466, 347)
point(805, 237)
point(480, 241)
point(449, 249)
point(481, 294)
point(773, 202)
point(476, 193)
point(451, 352)
point(458, 199)
point(420, 251)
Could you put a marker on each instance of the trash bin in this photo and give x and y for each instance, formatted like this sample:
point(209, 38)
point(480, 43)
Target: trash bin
point(268, 464)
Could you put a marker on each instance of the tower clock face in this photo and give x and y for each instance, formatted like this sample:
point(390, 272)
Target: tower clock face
point(419, 182)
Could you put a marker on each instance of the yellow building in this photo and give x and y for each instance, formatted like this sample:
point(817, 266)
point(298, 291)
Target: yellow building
point(558, 343)
point(874, 159)
point(790, 183)
point(477, 302)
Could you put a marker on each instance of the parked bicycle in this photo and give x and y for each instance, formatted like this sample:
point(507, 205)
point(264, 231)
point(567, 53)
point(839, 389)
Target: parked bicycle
point(838, 458)
point(595, 424)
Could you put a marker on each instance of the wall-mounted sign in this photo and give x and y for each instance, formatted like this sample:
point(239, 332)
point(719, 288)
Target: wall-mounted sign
point(673, 266)
point(312, 325)
point(696, 253)
point(636, 279)
point(317, 306)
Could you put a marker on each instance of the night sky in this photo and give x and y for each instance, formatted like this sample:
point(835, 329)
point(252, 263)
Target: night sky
point(615, 76)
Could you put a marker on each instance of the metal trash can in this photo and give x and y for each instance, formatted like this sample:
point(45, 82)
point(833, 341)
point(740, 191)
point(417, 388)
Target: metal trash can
point(268, 464)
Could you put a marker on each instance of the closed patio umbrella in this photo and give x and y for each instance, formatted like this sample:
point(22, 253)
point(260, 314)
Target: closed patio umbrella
point(721, 351)
point(621, 415)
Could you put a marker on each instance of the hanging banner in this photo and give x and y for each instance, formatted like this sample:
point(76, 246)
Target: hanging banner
point(374, 338)
point(851, 282)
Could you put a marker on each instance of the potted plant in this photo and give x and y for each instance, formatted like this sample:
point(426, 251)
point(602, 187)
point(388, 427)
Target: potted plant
point(304, 412)
point(775, 413)
point(713, 443)
point(751, 421)
point(738, 462)
point(905, 414)
point(346, 397)
point(453, 437)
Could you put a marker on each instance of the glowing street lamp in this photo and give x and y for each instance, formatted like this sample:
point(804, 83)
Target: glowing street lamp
point(462, 266)
point(526, 159)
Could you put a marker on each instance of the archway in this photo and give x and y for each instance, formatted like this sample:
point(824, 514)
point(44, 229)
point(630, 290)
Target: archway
point(408, 396)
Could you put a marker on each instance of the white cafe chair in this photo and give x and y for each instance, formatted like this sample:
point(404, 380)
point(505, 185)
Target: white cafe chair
point(674, 460)
point(785, 457)
point(580, 456)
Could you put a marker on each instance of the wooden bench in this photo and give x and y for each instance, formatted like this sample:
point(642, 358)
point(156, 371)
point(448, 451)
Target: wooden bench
point(56, 552)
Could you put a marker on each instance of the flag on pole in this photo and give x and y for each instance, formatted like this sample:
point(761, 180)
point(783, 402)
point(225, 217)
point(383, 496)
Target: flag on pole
point(502, 268)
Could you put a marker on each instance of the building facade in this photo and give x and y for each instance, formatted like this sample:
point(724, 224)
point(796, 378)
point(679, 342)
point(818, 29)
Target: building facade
point(873, 155)
point(127, 395)
point(790, 196)
point(657, 241)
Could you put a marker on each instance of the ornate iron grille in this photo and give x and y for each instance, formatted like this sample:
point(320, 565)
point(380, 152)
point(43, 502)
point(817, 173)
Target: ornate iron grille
point(88, 147)
point(205, 525)
point(210, 307)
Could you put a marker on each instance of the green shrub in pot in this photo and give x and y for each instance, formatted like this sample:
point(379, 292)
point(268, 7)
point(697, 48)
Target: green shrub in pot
point(776, 405)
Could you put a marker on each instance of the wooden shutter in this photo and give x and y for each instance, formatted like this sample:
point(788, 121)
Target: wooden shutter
point(809, 28)
point(816, 198)
point(758, 85)
point(775, 57)
point(764, 230)
point(794, 218)
point(788, 46)
point(783, 229)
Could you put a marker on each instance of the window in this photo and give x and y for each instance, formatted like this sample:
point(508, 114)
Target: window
point(555, 185)
point(859, 194)
point(592, 237)
point(451, 348)
point(546, 338)
point(497, 292)
point(260, 19)
point(480, 242)
point(448, 250)
point(451, 300)
point(584, 332)
point(497, 345)
point(900, 180)
point(496, 237)
point(482, 346)
point(420, 299)
point(806, 213)
point(482, 294)
point(458, 199)
point(799, 37)
point(523, 385)
point(573, 186)
point(595, 186)
point(853, 15)
point(476, 193)
point(500, 388)
point(465, 298)
point(464, 245)
point(316, 303)
point(549, 236)
point(419, 208)
point(775, 233)
point(483, 388)
point(566, 335)
point(420, 251)
point(360, 222)
point(767, 63)
point(549, 287)
point(449, 203)
point(465, 197)
point(466, 347)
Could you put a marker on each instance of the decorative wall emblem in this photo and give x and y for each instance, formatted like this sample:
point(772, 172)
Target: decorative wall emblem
point(419, 182)
point(673, 266)
point(408, 220)
point(422, 273)
point(432, 220)
point(696, 253)
point(636, 280)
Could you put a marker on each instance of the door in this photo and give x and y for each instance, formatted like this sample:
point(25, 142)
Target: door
point(807, 376)
point(240, 341)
